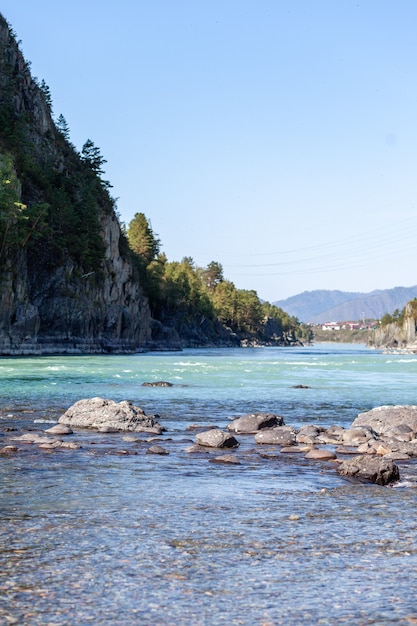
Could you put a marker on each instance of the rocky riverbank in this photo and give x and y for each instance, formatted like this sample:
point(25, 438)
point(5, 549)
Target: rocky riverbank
point(370, 450)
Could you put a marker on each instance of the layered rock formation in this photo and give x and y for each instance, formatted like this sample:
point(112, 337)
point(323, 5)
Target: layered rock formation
point(58, 305)
point(398, 335)
point(57, 311)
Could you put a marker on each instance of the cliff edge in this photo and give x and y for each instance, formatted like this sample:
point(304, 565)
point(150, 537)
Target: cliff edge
point(67, 283)
point(400, 335)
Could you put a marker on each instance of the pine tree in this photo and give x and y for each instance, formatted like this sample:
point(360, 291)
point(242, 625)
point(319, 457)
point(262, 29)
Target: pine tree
point(47, 94)
point(63, 127)
point(92, 157)
point(142, 239)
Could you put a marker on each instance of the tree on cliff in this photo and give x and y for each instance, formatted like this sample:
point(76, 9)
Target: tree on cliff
point(213, 275)
point(62, 126)
point(143, 241)
point(92, 157)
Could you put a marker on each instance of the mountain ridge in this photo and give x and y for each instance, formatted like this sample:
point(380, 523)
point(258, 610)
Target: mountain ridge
point(321, 305)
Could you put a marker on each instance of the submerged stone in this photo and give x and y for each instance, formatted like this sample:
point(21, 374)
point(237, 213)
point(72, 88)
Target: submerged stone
point(226, 458)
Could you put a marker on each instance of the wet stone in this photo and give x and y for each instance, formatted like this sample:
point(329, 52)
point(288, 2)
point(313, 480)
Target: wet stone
point(195, 449)
point(226, 458)
point(59, 429)
point(320, 454)
point(9, 449)
point(99, 414)
point(157, 450)
point(158, 383)
point(386, 418)
point(379, 470)
point(281, 435)
point(254, 422)
point(69, 445)
point(346, 450)
point(216, 438)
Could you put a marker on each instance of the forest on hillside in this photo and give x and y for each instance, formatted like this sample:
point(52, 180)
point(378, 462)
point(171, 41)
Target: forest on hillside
point(53, 197)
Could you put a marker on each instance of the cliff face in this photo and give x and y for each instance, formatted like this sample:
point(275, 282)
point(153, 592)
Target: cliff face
point(56, 311)
point(398, 336)
point(52, 301)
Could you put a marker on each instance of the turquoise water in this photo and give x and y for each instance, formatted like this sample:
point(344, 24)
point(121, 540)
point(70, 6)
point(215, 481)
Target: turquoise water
point(109, 535)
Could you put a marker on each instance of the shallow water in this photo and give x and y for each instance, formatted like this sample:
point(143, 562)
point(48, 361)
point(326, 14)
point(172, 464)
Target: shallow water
point(107, 534)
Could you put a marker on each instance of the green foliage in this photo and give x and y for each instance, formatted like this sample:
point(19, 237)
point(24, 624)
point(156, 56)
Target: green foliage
point(52, 200)
point(213, 275)
point(62, 127)
point(143, 241)
point(92, 157)
point(397, 317)
point(181, 291)
point(11, 208)
point(46, 92)
point(391, 318)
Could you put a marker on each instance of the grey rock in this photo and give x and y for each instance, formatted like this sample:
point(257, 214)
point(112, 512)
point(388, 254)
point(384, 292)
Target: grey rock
point(157, 450)
point(280, 435)
point(9, 449)
point(320, 454)
point(346, 450)
point(335, 431)
point(216, 438)
point(409, 448)
point(59, 429)
point(50, 446)
point(196, 449)
point(333, 435)
point(397, 456)
point(69, 445)
point(159, 383)
point(35, 438)
point(356, 435)
point(226, 459)
point(374, 469)
point(105, 415)
point(108, 429)
point(294, 449)
point(308, 434)
point(254, 422)
point(384, 418)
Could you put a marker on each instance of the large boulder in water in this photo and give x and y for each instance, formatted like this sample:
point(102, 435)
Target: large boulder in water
point(108, 415)
point(280, 435)
point(372, 469)
point(389, 419)
point(216, 438)
point(255, 421)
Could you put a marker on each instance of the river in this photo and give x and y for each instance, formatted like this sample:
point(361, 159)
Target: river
point(107, 534)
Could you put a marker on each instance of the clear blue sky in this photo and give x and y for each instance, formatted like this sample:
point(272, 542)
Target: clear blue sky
point(276, 137)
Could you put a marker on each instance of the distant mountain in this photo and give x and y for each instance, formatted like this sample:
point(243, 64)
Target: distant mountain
point(324, 305)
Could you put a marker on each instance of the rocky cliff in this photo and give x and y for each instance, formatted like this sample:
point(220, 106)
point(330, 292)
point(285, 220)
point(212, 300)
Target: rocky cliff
point(398, 335)
point(53, 300)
